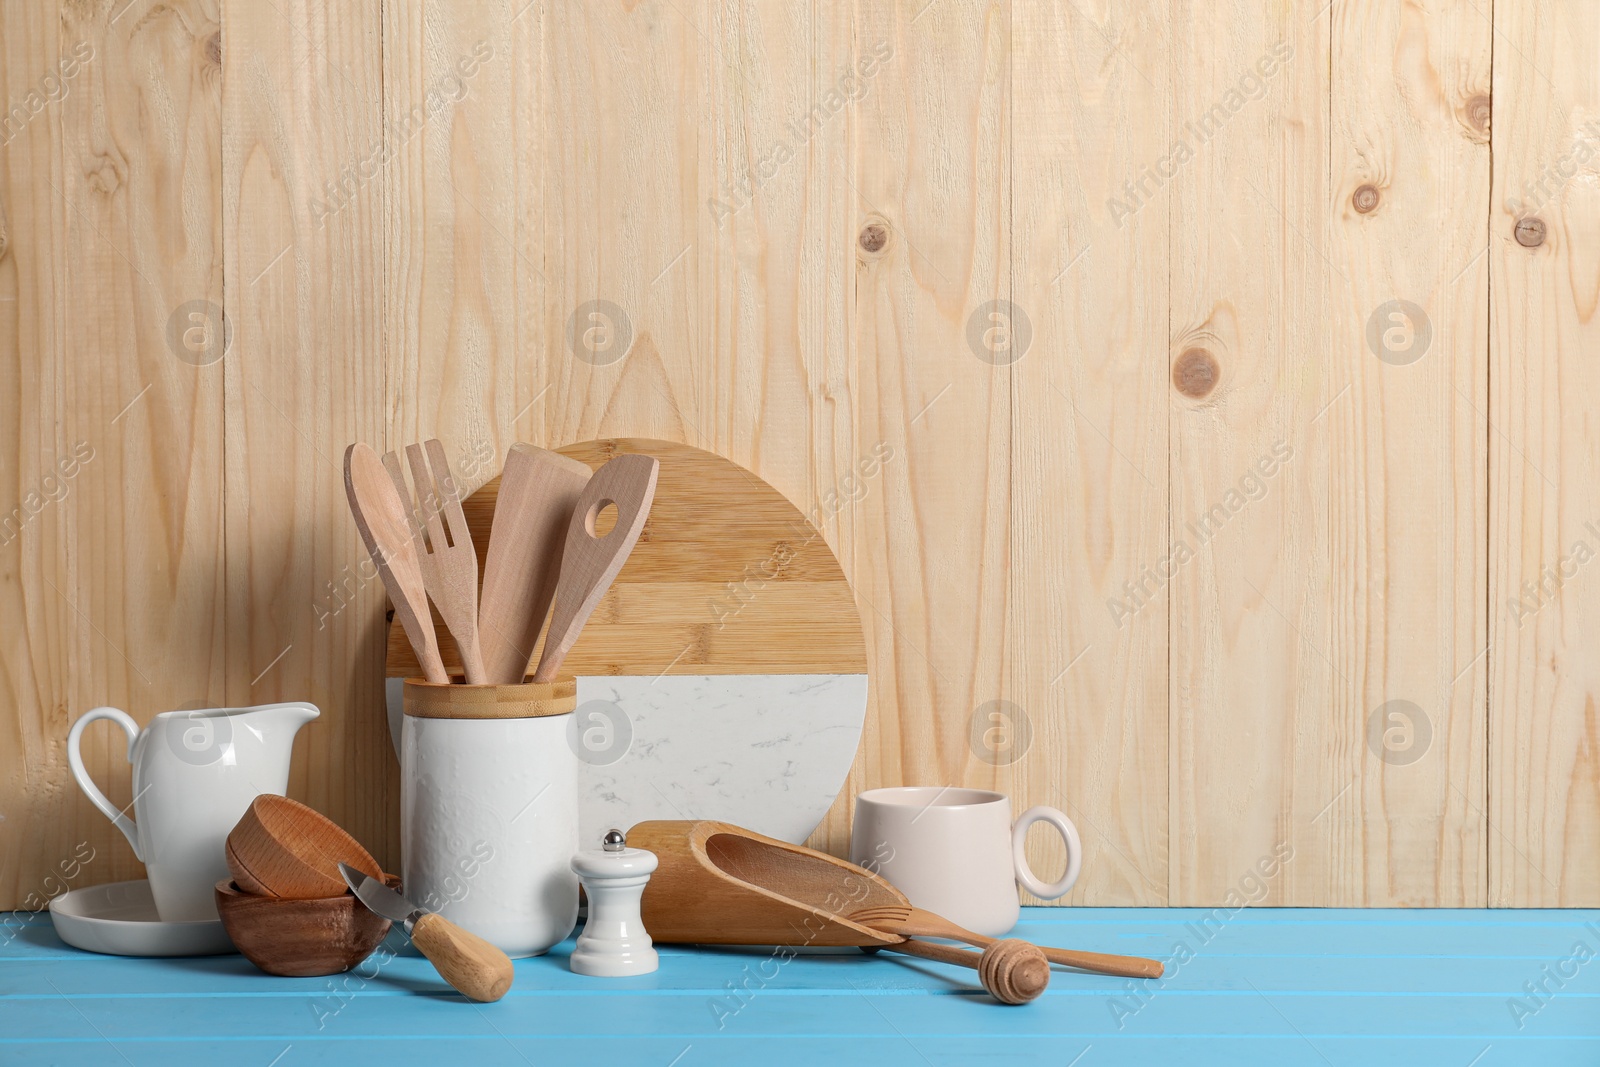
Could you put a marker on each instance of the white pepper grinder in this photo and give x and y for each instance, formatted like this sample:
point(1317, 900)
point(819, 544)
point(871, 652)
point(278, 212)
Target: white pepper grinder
point(614, 942)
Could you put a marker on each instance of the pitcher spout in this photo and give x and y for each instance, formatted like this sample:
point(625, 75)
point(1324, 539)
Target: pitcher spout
point(277, 723)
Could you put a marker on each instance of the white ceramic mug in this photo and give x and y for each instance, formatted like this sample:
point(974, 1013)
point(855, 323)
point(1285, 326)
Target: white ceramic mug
point(956, 852)
point(194, 774)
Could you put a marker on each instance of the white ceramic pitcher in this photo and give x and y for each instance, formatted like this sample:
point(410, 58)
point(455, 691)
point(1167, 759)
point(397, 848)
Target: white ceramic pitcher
point(194, 774)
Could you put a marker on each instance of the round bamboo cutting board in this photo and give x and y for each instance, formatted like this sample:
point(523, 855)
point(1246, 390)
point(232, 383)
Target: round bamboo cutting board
point(723, 676)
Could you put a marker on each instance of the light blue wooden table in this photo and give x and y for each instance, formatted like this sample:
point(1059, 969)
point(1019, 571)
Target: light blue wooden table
point(1363, 988)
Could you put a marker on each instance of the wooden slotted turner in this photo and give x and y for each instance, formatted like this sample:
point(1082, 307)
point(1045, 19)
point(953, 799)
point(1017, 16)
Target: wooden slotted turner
point(590, 561)
point(380, 515)
point(444, 547)
point(538, 491)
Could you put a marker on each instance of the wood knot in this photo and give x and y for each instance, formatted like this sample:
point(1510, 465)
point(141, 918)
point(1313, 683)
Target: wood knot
point(1530, 232)
point(214, 48)
point(1195, 373)
point(1479, 109)
point(1365, 198)
point(874, 236)
point(1014, 971)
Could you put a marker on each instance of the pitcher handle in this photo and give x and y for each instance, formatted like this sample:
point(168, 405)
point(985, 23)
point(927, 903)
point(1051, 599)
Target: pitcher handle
point(1069, 834)
point(129, 828)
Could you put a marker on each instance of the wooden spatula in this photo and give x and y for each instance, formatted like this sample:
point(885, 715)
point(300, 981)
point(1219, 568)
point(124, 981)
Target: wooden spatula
point(589, 561)
point(443, 547)
point(538, 491)
point(380, 515)
point(910, 921)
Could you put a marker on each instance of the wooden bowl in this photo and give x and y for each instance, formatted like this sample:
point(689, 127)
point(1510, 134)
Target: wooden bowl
point(281, 848)
point(301, 938)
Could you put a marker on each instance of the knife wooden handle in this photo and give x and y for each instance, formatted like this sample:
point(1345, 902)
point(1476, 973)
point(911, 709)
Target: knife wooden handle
point(468, 962)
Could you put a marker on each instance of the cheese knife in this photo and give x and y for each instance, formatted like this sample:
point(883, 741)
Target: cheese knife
point(469, 963)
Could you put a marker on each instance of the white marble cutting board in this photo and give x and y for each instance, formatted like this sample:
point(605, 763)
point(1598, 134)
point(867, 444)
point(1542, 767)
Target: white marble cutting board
point(765, 751)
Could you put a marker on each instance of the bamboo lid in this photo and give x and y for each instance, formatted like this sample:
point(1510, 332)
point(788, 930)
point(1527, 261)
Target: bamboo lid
point(525, 700)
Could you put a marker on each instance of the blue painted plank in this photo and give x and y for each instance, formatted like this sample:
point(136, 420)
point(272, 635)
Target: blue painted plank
point(1275, 987)
point(686, 970)
point(890, 1050)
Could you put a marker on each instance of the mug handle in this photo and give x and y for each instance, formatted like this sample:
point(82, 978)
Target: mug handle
point(129, 828)
point(1069, 834)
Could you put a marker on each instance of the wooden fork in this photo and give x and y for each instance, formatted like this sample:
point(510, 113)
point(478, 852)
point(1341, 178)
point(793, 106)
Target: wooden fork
point(908, 921)
point(444, 547)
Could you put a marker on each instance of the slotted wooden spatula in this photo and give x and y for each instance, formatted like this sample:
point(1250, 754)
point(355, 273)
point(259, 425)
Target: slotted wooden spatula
point(538, 491)
point(590, 561)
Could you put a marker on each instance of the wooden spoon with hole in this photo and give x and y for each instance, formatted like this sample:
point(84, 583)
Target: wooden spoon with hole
point(590, 561)
point(909, 921)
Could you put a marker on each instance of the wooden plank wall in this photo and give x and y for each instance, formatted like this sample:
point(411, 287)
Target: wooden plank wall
point(1233, 360)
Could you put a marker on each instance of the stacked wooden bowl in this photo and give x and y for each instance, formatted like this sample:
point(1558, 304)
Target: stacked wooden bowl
point(287, 908)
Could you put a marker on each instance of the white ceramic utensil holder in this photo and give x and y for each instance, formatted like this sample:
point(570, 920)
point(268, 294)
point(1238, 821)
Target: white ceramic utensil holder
point(489, 809)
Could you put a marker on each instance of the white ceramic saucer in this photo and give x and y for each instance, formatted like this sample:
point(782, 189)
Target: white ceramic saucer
point(120, 919)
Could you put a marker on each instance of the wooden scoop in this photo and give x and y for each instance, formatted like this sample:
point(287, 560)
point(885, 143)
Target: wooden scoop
point(380, 515)
point(590, 561)
point(281, 848)
point(719, 884)
point(917, 922)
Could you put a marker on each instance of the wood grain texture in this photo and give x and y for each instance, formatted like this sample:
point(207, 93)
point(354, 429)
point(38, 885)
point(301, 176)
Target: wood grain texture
point(300, 938)
point(781, 233)
point(932, 550)
point(1089, 411)
point(472, 965)
point(302, 224)
point(625, 486)
point(1544, 460)
point(378, 508)
point(1250, 669)
point(112, 566)
point(1407, 521)
point(447, 556)
point(282, 848)
point(1319, 592)
point(522, 562)
point(530, 700)
point(689, 600)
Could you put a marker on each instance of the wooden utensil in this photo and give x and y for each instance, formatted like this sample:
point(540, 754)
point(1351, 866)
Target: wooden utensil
point(911, 921)
point(1013, 971)
point(281, 848)
point(714, 527)
point(300, 938)
point(720, 884)
point(538, 491)
point(443, 547)
point(590, 561)
point(729, 583)
point(380, 515)
point(470, 964)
